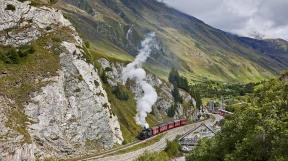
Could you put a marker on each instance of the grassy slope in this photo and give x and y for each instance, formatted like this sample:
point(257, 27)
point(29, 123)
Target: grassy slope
point(26, 77)
point(187, 43)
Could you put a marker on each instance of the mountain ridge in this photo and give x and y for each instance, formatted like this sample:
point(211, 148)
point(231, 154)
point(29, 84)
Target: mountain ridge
point(196, 49)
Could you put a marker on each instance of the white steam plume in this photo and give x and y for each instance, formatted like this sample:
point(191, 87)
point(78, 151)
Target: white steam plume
point(134, 71)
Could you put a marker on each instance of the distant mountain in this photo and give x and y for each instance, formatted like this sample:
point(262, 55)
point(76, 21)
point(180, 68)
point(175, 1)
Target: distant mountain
point(199, 51)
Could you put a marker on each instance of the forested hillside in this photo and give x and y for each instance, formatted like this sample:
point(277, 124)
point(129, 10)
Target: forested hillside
point(258, 132)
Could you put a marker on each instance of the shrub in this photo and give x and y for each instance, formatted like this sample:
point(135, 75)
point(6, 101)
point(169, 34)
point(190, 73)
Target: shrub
point(56, 39)
point(96, 83)
point(104, 78)
point(176, 95)
point(48, 28)
point(4, 58)
point(12, 54)
point(10, 7)
point(35, 3)
point(124, 142)
point(172, 148)
point(171, 111)
point(108, 69)
point(53, 1)
point(120, 93)
point(154, 156)
point(80, 78)
point(87, 44)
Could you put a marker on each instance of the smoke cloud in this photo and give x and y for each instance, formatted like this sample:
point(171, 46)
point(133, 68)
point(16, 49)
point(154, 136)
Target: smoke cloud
point(134, 71)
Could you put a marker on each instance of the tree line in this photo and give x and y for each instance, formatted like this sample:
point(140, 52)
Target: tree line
point(182, 83)
point(259, 132)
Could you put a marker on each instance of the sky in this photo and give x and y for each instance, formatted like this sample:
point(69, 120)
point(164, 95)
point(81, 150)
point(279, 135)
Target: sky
point(253, 18)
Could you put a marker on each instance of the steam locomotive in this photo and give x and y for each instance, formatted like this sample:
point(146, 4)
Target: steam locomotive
point(148, 132)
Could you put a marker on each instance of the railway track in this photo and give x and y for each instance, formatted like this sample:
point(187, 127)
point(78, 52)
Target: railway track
point(98, 156)
point(113, 150)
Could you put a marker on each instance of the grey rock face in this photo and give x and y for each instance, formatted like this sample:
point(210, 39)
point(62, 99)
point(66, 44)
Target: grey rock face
point(165, 99)
point(26, 22)
point(72, 110)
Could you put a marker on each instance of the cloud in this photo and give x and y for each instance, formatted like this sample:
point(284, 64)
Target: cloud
point(243, 17)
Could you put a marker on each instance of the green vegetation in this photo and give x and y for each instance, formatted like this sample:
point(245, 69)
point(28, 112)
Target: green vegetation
point(141, 145)
point(258, 132)
point(198, 51)
point(48, 28)
point(213, 89)
point(172, 110)
point(176, 95)
point(177, 80)
point(120, 93)
point(19, 81)
point(56, 39)
point(181, 82)
point(12, 55)
point(172, 148)
point(35, 3)
point(153, 156)
point(87, 44)
point(10, 7)
point(53, 1)
point(170, 151)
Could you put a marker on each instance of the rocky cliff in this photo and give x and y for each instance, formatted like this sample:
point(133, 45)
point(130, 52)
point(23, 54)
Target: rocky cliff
point(53, 104)
point(69, 114)
point(165, 99)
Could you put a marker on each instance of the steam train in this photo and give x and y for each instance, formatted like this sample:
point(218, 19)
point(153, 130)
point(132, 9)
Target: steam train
point(148, 132)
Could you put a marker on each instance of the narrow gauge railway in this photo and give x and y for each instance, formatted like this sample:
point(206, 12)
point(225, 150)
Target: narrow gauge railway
point(154, 130)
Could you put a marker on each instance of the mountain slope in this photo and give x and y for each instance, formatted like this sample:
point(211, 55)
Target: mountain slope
point(115, 29)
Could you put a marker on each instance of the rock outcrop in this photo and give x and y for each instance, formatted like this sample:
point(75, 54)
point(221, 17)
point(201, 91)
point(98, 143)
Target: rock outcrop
point(26, 22)
point(165, 99)
point(70, 115)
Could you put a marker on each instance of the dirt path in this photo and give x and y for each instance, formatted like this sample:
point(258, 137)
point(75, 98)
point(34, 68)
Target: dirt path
point(158, 146)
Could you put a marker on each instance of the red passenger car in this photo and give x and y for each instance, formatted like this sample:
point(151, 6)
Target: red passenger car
point(176, 123)
point(163, 127)
point(155, 130)
point(170, 125)
point(183, 122)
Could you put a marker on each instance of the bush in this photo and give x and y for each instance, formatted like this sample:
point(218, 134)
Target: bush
point(172, 111)
point(176, 95)
point(10, 7)
point(104, 78)
point(12, 55)
point(124, 142)
point(35, 3)
point(172, 148)
point(96, 83)
point(108, 69)
point(56, 39)
point(53, 1)
point(78, 90)
point(48, 28)
point(148, 156)
point(4, 58)
point(87, 44)
point(120, 93)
